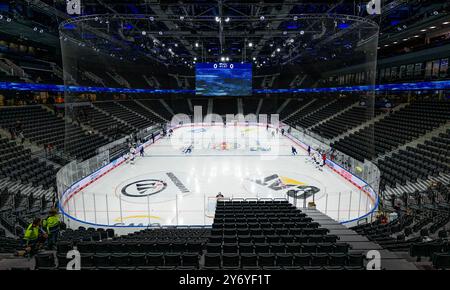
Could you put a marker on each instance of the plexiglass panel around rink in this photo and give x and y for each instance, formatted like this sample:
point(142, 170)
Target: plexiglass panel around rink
point(171, 187)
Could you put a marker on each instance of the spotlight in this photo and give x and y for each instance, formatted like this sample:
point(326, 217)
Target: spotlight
point(160, 33)
point(152, 18)
point(217, 18)
point(295, 18)
point(195, 58)
point(196, 44)
point(254, 58)
point(227, 19)
point(227, 59)
point(8, 19)
point(262, 18)
point(1, 17)
point(222, 58)
point(445, 23)
point(278, 49)
point(432, 27)
point(302, 32)
point(181, 18)
point(144, 32)
point(250, 44)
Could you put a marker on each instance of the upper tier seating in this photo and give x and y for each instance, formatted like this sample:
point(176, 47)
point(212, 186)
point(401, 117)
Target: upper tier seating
point(344, 122)
point(104, 123)
point(398, 128)
point(158, 107)
point(325, 112)
point(43, 127)
point(135, 107)
point(293, 105)
point(118, 111)
point(315, 105)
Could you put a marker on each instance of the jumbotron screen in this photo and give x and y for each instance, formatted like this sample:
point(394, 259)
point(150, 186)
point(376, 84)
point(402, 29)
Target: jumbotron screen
point(223, 79)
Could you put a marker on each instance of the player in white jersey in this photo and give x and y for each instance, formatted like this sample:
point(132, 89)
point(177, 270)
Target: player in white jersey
point(132, 154)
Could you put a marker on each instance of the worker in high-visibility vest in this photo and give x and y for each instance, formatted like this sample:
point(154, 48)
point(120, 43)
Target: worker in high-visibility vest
point(34, 234)
point(51, 227)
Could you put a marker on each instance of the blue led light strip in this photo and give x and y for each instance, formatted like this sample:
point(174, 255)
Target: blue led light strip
point(79, 89)
point(436, 85)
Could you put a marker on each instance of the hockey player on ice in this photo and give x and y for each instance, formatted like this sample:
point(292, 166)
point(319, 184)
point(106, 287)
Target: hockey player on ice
point(132, 154)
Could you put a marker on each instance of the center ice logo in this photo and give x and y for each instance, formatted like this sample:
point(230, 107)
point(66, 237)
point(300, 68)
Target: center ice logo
point(143, 188)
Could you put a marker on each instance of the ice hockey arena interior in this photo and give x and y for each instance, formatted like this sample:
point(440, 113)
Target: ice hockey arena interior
point(199, 135)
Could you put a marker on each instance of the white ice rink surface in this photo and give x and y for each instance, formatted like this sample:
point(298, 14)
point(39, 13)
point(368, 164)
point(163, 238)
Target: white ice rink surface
point(169, 187)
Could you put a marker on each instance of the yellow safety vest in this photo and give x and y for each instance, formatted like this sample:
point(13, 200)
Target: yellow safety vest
point(32, 233)
point(51, 222)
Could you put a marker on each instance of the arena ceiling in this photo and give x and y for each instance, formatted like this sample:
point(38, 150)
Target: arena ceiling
point(178, 33)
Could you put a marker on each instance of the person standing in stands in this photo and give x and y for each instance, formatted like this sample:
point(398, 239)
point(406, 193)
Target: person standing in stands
point(153, 138)
point(405, 199)
point(13, 134)
point(141, 151)
point(392, 200)
point(51, 226)
point(19, 131)
point(309, 150)
point(34, 236)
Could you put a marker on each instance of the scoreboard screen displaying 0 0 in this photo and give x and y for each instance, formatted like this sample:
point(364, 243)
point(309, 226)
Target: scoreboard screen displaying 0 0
point(223, 79)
